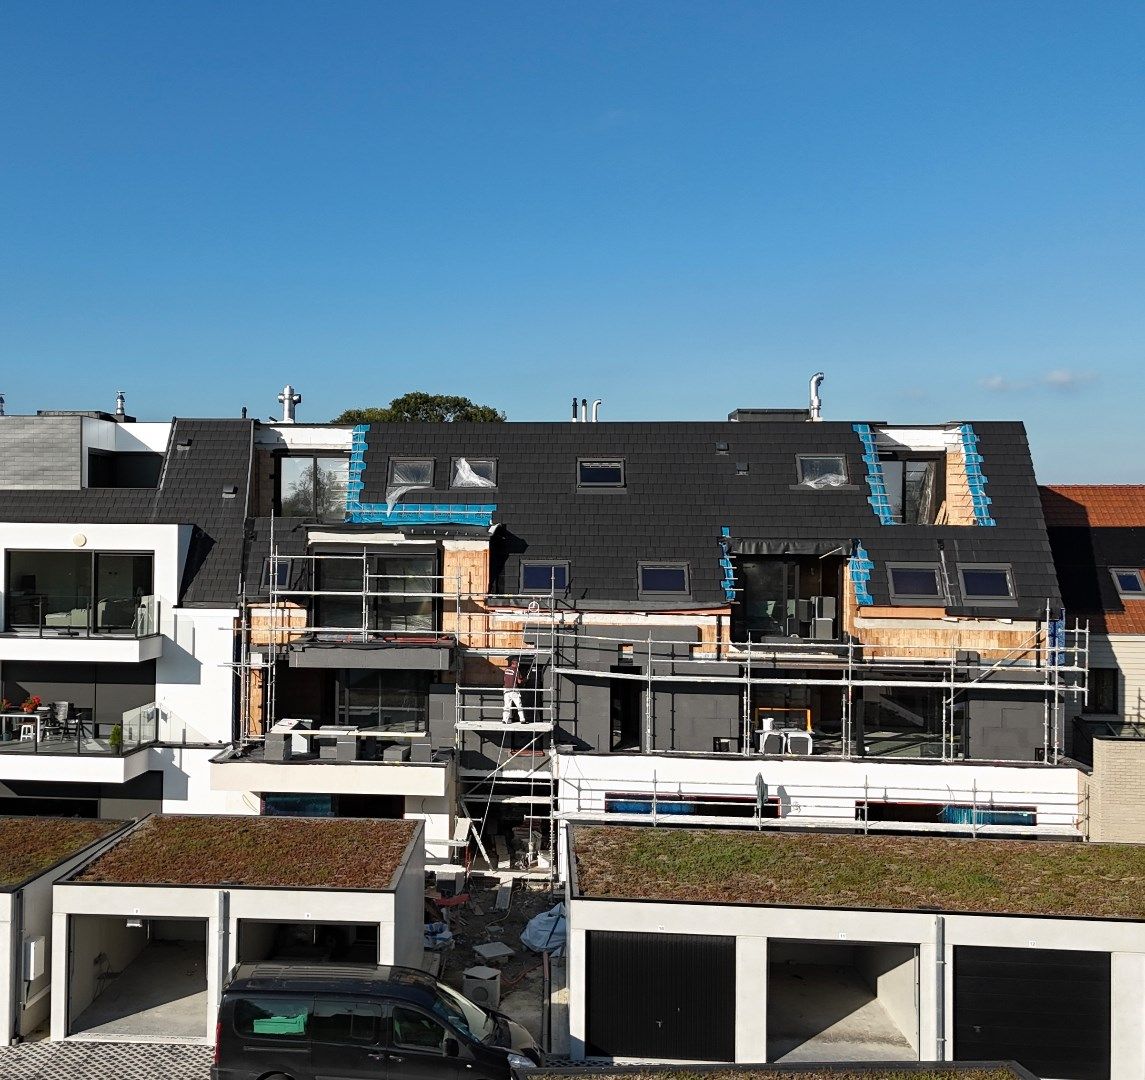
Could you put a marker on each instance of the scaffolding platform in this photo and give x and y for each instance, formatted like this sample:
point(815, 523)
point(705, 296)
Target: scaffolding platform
point(500, 725)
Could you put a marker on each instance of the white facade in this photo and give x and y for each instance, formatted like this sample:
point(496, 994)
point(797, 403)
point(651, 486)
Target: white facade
point(813, 792)
point(1126, 652)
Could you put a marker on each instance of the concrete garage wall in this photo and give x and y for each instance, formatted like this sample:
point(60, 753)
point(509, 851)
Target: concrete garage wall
point(92, 937)
point(407, 936)
point(757, 928)
point(889, 970)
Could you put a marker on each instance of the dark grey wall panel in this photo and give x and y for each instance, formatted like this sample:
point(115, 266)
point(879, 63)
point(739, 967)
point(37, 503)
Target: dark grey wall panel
point(1047, 1009)
point(661, 996)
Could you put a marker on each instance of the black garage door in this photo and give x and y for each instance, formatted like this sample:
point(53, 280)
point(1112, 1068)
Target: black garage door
point(661, 996)
point(1045, 1008)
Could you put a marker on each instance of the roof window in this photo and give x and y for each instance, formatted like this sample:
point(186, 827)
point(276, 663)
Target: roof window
point(1130, 585)
point(664, 579)
point(915, 581)
point(408, 474)
point(987, 585)
point(473, 473)
point(594, 473)
point(821, 472)
point(544, 577)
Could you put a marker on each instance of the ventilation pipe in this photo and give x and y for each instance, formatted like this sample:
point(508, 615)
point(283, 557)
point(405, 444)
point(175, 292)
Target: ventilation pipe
point(584, 410)
point(1, 404)
point(596, 410)
point(120, 406)
point(816, 405)
point(574, 409)
point(288, 399)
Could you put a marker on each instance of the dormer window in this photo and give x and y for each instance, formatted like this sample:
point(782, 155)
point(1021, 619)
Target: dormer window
point(313, 486)
point(599, 473)
point(914, 488)
point(1130, 584)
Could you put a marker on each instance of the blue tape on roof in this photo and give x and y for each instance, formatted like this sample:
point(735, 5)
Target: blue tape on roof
point(879, 500)
point(359, 513)
point(861, 569)
point(976, 479)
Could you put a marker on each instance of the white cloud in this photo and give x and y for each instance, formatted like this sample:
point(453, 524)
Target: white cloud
point(1065, 380)
point(999, 384)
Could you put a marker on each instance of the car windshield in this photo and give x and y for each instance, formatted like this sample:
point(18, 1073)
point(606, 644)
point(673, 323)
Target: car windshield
point(463, 1014)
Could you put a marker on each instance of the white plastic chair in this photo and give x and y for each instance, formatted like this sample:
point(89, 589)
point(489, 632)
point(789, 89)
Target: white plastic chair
point(27, 733)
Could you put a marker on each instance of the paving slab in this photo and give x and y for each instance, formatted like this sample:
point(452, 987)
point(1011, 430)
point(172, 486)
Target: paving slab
point(107, 1061)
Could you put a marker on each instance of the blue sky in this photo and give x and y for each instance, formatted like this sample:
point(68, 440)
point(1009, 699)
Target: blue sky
point(680, 208)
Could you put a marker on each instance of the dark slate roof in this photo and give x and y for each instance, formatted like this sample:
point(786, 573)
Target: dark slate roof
point(190, 493)
point(1093, 529)
point(680, 492)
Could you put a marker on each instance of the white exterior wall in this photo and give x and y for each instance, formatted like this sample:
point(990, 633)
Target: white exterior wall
point(9, 978)
point(193, 677)
point(1126, 652)
point(755, 927)
point(817, 790)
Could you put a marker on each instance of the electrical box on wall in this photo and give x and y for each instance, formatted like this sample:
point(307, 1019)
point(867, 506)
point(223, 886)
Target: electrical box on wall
point(35, 958)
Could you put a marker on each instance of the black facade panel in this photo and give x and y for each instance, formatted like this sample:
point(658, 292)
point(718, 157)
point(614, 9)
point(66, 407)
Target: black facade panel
point(661, 996)
point(1047, 1009)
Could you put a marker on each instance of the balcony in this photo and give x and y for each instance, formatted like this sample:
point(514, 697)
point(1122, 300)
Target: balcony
point(80, 629)
point(40, 744)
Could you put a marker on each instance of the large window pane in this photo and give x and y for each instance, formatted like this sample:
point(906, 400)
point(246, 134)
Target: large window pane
point(122, 581)
point(296, 486)
point(332, 475)
point(51, 589)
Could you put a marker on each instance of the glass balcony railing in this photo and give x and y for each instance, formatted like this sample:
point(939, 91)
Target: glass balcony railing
point(72, 615)
point(58, 729)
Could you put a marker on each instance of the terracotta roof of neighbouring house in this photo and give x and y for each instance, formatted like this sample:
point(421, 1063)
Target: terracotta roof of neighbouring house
point(31, 845)
point(1093, 529)
point(257, 852)
point(896, 873)
point(1095, 506)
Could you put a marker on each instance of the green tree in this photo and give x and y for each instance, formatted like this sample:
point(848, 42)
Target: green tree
point(420, 407)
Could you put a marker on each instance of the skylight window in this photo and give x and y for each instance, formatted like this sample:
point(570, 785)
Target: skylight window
point(1130, 584)
point(594, 473)
point(821, 472)
point(411, 472)
point(910, 581)
point(664, 579)
point(473, 473)
point(544, 576)
point(986, 584)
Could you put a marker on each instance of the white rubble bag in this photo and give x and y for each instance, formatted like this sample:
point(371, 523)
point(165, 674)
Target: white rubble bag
point(546, 932)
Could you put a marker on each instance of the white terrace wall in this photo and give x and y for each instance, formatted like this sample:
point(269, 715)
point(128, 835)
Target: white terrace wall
point(818, 790)
point(756, 927)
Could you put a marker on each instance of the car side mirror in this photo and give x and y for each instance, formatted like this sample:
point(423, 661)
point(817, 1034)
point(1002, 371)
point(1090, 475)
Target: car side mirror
point(450, 1047)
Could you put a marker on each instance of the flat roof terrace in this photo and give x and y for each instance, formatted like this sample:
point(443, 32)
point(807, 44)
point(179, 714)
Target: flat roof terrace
point(256, 852)
point(29, 846)
point(894, 873)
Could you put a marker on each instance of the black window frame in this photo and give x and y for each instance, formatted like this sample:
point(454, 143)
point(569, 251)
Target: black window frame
point(465, 457)
point(976, 600)
point(1115, 571)
point(1093, 705)
point(409, 460)
point(313, 457)
point(938, 597)
point(602, 462)
point(285, 563)
point(663, 594)
point(801, 481)
point(529, 563)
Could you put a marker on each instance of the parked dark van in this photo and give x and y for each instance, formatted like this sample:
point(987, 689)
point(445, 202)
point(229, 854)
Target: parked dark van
point(302, 1022)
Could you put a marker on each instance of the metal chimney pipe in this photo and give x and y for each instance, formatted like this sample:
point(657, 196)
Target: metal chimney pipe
point(596, 410)
point(816, 402)
point(574, 408)
point(1, 404)
point(584, 410)
point(120, 406)
point(288, 399)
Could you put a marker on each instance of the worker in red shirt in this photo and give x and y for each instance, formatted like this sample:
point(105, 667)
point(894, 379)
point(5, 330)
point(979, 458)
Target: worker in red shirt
point(512, 683)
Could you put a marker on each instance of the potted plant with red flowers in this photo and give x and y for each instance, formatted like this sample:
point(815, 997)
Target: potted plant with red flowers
point(31, 704)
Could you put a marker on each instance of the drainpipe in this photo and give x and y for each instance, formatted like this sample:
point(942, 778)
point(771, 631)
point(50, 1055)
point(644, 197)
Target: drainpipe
point(223, 939)
point(940, 987)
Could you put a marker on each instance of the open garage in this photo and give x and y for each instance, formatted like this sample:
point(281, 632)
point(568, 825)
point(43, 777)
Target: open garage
point(136, 978)
point(155, 923)
point(835, 1001)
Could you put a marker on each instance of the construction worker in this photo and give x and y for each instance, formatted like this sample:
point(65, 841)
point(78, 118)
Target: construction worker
point(512, 683)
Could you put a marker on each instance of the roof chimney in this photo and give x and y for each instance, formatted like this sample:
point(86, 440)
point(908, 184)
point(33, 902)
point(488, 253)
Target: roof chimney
point(816, 403)
point(288, 399)
point(120, 406)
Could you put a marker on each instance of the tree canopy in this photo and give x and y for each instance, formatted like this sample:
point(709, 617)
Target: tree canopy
point(419, 406)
